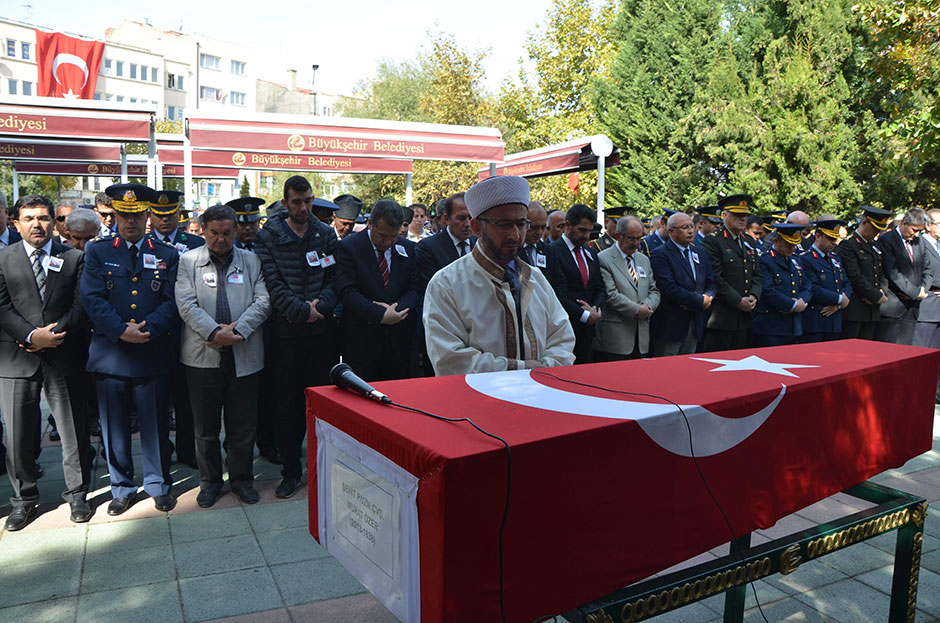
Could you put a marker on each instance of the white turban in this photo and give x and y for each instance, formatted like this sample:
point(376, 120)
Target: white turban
point(496, 191)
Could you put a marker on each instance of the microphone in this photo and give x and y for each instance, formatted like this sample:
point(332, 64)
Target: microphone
point(344, 377)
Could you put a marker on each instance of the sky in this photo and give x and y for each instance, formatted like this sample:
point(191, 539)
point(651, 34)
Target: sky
point(346, 38)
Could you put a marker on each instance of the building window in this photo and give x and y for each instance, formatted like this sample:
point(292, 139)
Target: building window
point(12, 85)
point(107, 97)
point(143, 72)
point(171, 112)
point(174, 82)
point(238, 67)
point(238, 99)
point(154, 77)
point(120, 98)
point(24, 47)
point(209, 93)
point(106, 67)
point(134, 100)
point(11, 48)
point(209, 62)
point(119, 69)
point(97, 96)
point(27, 88)
point(179, 113)
point(133, 71)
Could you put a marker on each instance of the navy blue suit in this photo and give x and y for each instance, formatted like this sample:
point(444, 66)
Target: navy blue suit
point(650, 243)
point(681, 302)
point(182, 241)
point(375, 351)
point(114, 292)
point(774, 323)
point(827, 282)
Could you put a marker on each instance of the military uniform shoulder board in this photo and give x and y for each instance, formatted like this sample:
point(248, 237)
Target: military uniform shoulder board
point(150, 244)
point(117, 242)
point(182, 237)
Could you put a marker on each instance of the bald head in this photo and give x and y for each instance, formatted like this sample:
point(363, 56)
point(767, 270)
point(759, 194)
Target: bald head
point(539, 219)
point(798, 217)
point(557, 225)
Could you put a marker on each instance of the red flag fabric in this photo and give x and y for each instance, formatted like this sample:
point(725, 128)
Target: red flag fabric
point(606, 488)
point(573, 181)
point(68, 67)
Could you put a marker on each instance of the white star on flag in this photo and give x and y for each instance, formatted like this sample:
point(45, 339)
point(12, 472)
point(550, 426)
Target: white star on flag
point(753, 363)
point(70, 95)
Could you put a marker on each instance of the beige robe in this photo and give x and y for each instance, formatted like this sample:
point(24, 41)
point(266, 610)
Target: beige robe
point(470, 319)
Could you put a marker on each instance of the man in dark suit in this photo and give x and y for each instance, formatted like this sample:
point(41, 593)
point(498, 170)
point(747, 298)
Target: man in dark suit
point(861, 260)
point(127, 290)
point(7, 237)
point(164, 226)
point(735, 265)
point(435, 252)
point(576, 279)
point(40, 326)
point(534, 251)
point(686, 288)
point(909, 277)
point(376, 281)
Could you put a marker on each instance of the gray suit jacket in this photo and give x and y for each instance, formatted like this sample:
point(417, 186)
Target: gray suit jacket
point(248, 302)
point(617, 330)
point(22, 311)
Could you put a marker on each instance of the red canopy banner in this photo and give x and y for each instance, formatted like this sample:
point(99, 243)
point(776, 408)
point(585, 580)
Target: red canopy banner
point(40, 117)
point(111, 169)
point(568, 157)
point(341, 136)
point(607, 485)
point(60, 151)
point(67, 67)
point(287, 162)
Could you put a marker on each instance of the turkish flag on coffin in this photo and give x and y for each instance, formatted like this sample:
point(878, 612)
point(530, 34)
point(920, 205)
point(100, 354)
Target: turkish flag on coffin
point(605, 490)
point(68, 67)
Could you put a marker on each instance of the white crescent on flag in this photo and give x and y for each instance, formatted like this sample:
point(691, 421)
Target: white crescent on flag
point(69, 59)
point(663, 423)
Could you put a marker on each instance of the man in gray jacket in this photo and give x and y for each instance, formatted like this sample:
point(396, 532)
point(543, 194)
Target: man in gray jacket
point(223, 301)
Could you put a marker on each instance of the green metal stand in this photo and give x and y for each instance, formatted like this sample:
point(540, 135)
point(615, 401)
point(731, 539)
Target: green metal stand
point(893, 510)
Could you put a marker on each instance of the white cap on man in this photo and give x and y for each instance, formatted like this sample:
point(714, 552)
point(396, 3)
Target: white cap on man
point(496, 191)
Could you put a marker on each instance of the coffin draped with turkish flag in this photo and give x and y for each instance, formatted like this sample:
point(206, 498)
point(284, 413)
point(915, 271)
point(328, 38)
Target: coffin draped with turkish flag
point(605, 487)
point(67, 67)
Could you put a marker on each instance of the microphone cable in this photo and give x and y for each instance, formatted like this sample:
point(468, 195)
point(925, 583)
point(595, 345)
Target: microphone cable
point(698, 468)
point(502, 523)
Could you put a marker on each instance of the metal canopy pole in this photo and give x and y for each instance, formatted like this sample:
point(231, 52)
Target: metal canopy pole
point(187, 166)
point(600, 188)
point(123, 164)
point(408, 189)
point(16, 186)
point(152, 175)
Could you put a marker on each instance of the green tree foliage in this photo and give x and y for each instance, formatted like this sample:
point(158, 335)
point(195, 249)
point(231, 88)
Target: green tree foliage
point(905, 41)
point(46, 185)
point(393, 93)
point(664, 53)
point(245, 190)
point(568, 52)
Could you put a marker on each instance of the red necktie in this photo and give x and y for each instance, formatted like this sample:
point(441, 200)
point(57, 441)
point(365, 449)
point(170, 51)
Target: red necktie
point(910, 250)
point(582, 267)
point(383, 268)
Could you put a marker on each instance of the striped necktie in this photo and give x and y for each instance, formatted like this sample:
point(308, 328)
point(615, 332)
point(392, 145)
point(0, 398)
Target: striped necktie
point(39, 273)
point(631, 270)
point(383, 268)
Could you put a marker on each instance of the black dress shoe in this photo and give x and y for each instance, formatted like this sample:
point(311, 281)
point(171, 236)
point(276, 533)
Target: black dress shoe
point(207, 498)
point(164, 503)
point(118, 506)
point(81, 511)
point(287, 487)
point(95, 428)
point(39, 470)
point(19, 517)
point(54, 435)
point(246, 493)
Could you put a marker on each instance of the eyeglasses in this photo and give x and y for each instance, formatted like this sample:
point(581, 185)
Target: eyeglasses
point(60, 218)
point(506, 225)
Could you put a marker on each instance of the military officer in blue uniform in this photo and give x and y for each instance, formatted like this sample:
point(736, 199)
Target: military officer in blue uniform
point(247, 220)
point(709, 221)
point(247, 224)
point(778, 316)
point(827, 282)
point(607, 240)
point(127, 291)
point(165, 216)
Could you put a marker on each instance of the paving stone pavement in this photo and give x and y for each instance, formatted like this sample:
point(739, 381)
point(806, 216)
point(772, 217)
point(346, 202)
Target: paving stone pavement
point(258, 563)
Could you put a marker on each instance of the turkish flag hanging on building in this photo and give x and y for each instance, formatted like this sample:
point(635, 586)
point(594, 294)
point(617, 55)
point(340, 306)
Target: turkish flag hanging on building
point(68, 67)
